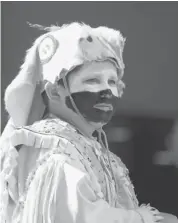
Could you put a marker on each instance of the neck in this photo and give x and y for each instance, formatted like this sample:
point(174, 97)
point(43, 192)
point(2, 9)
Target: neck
point(75, 120)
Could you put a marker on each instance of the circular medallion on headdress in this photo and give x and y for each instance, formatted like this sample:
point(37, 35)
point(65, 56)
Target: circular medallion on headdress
point(47, 48)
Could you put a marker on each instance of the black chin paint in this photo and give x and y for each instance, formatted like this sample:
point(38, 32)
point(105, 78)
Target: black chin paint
point(85, 101)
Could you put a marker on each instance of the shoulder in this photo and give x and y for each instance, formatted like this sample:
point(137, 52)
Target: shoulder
point(48, 133)
point(44, 138)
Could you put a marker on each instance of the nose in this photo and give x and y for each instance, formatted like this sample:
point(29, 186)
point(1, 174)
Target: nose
point(107, 88)
point(106, 94)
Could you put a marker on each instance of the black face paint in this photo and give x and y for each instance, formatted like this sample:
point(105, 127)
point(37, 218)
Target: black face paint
point(85, 101)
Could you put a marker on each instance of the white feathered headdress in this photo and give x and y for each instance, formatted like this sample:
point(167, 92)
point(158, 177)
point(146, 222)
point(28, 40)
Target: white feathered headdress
point(61, 48)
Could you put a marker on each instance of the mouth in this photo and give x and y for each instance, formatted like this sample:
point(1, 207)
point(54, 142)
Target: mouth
point(104, 107)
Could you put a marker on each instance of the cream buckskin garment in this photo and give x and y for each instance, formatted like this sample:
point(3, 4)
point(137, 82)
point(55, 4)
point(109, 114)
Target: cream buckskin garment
point(50, 173)
point(64, 177)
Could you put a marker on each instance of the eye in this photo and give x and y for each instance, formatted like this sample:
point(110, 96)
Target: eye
point(112, 82)
point(92, 80)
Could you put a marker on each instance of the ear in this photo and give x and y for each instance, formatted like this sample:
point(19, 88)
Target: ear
point(53, 91)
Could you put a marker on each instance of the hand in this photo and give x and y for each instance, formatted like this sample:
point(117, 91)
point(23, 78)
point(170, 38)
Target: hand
point(168, 218)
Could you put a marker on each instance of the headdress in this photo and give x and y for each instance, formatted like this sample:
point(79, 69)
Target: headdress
point(51, 57)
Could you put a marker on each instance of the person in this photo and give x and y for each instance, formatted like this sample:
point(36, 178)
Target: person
point(56, 166)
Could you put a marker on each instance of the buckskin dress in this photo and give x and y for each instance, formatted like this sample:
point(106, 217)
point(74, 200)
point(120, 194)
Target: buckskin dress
point(61, 176)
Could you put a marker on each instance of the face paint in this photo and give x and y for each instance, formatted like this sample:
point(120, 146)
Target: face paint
point(97, 107)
